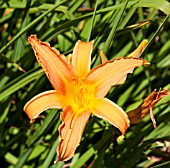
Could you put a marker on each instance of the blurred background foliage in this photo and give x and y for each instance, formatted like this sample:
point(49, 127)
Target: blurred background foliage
point(117, 26)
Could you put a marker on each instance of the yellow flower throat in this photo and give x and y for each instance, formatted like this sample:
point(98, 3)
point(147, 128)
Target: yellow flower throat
point(82, 94)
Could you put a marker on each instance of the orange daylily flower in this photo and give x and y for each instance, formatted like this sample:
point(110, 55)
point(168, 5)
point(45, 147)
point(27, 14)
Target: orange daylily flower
point(79, 91)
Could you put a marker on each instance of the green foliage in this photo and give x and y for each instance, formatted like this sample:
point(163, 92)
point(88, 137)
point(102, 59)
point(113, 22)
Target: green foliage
point(62, 23)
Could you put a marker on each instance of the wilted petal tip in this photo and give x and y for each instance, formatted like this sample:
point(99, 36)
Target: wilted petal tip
point(146, 62)
point(31, 121)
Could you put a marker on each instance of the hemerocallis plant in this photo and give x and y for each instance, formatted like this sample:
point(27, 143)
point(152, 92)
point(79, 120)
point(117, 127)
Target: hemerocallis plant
point(79, 91)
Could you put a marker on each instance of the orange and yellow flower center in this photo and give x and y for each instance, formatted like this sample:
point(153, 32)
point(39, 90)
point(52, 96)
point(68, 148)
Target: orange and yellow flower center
point(82, 94)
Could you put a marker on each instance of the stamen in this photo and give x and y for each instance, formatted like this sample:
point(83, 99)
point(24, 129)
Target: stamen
point(82, 94)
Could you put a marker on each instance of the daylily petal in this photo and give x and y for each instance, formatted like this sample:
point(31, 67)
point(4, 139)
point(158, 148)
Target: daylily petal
point(71, 131)
point(55, 65)
point(41, 102)
point(111, 73)
point(81, 59)
point(106, 109)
